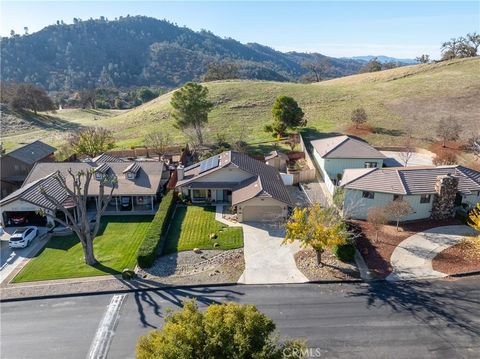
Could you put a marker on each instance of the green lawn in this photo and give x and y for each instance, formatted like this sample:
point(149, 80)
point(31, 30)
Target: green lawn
point(115, 248)
point(191, 227)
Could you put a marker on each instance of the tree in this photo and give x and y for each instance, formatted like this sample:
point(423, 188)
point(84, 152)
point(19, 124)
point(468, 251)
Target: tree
point(158, 142)
point(377, 218)
point(359, 116)
point(408, 150)
point(448, 129)
point(445, 158)
point(473, 145)
point(226, 330)
point(191, 108)
point(460, 47)
point(91, 141)
point(88, 97)
point(286, 115)
point(221, 71)
point(317, 228)
point(474, 41)
point(30, 97)
point(317, 67)
point(77, 198)
point(474, 217)
point(372, 66)
point(398, 209)
point(423, 59)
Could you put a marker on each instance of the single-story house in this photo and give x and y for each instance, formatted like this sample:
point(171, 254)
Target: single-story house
point(333, 155)
point(16, 165)
point(253, 188)
point(138, 188)
point(432, 192)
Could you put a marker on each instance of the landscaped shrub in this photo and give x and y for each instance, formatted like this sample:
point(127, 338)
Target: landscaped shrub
point(148, 249)
point(344, 252)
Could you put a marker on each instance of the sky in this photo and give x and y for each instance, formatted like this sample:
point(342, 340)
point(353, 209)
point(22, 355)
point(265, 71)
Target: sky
point(402, 29)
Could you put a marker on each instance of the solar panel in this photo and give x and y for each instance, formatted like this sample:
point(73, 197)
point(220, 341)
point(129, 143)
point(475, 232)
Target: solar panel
point(208, 164)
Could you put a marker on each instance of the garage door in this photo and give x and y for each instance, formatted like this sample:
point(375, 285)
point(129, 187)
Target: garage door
point(261, 213)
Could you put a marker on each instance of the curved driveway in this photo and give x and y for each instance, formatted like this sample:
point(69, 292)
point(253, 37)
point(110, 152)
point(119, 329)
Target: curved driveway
point(412, 258)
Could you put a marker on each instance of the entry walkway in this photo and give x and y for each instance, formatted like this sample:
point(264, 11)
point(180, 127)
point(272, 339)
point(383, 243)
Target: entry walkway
point(412, 258)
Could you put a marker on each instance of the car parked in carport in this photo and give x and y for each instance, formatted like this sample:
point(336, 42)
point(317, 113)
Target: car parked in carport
point(22, 237)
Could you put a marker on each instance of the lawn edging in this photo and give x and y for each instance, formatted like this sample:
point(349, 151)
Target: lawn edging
point(147, 251)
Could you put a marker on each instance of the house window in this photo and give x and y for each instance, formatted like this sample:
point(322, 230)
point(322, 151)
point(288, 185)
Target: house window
point(368, 194)
point(425, 198)
point(98, 175)
point(199, 194)
point(131, 175)
point(370, 164)
point(397, 197)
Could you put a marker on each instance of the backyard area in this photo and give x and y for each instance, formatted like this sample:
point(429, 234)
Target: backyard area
point(191, 228)
point(115, 248)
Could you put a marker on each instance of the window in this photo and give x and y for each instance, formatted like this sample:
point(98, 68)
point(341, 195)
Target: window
point(425, 198)
point(131, 175)
point(199, 194)
point(368, 194)
point(370, 164)
point(397, 197)
point(98, 175)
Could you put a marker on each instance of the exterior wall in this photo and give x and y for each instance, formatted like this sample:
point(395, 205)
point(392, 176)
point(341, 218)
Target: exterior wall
point(279, 163)
point(21, 206)
point(321, 167)
point(472, 199)
point(355, 206)
point(234, 175)
point(261, 202)
point(336, 166)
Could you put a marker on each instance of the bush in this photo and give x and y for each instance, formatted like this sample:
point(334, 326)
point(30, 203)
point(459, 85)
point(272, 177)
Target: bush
point(148, 249)
point(344, 252)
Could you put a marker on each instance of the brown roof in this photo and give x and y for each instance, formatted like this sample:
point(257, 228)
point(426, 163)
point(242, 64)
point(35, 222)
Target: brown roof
point(268, 177)
point(344, 147)
point(104, 157)
point(274, 154)
point(409, 180)
point(32, 152)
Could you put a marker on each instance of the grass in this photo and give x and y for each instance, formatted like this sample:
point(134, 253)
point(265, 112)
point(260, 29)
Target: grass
point(412, 96)
point(115, 248)
point(191, 227)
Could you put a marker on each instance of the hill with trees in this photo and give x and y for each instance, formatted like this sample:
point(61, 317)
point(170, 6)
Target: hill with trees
point(137, 51)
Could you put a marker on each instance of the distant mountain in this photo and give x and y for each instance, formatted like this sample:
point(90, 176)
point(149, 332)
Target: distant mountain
point(382, 59)
point(138, 51)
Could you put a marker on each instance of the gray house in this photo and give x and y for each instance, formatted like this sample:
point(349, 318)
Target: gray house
point(138, 189)
point(333, 155)
point(254, 188)
point(432, 192)
point(16, 165)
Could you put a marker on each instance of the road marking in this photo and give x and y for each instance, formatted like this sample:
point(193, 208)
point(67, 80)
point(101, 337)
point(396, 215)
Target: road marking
point(104, 335)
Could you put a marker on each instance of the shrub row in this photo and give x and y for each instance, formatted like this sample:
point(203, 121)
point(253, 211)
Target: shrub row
point(156, 231)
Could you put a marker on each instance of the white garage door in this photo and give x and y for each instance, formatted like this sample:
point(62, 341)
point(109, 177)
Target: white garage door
point(261, 213)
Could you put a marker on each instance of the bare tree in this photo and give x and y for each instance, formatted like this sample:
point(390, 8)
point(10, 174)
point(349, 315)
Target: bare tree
point(377, 218)
point(318, 67)
point(398, 209)
point(408, 150)
point(474, 146)
point(158, 142)
point(88, 97)
point(77, 198)
point(240, 143)
point(423, 59)
point(448, 129)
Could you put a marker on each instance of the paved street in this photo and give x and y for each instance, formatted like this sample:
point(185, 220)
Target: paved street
point(377, 320)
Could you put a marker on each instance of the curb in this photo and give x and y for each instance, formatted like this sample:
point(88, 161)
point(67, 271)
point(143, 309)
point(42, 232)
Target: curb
point(464, 274)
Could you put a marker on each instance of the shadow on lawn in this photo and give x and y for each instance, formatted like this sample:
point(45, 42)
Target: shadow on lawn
point(150, 299)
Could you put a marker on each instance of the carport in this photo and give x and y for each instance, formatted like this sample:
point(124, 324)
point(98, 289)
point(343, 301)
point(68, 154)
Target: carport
point(31, 218)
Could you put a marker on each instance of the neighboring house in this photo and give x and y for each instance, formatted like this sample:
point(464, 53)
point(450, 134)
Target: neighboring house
point(253, 188)
point(16, 165)
point(333, 155)
point(278, 160)
point(138, 188)
point(432, 192)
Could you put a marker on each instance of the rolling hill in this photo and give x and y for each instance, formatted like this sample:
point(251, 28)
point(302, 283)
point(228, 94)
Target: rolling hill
point(412, 96)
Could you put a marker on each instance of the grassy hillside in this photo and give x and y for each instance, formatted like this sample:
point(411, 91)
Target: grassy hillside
point(416, 96)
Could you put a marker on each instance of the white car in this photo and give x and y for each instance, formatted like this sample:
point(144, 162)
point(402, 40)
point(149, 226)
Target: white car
point(22, 237)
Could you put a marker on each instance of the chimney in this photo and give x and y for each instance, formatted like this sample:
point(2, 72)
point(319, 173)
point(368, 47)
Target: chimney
point(443, 204)
point(180, 172)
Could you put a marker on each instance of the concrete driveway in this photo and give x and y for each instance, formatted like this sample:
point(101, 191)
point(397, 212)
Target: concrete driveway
point(266, 260)
point(412, 258)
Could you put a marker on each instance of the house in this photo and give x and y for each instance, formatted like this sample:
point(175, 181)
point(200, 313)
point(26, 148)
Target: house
point(432, 192)
point(333, 155)
point(253, 188)
point(16, 165)
point(278, 160)
point(137, 190)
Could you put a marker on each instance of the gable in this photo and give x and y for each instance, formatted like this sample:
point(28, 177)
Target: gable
point(226, 174)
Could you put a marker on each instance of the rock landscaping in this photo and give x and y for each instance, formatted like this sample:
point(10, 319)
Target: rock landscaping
point(460, 258)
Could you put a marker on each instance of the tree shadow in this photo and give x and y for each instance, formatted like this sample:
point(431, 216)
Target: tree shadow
point(388, 131)
point(427, 303)
point(49, 122)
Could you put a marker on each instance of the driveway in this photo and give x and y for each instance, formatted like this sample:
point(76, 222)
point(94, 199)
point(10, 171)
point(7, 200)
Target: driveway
point(266, 260)
point(394, 159)
point(412, 258)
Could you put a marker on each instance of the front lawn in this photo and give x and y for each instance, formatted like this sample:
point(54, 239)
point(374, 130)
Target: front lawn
point(191, 227)
point(115, 248)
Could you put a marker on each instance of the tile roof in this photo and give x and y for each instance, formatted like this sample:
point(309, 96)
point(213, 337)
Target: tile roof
point(344, 147)
point(133, 168)
point(104, 157)
point(269, 178)
point(409, 180)
point(274, 154)
point(32, 152)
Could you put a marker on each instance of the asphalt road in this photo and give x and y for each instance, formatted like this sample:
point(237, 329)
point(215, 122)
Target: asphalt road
point(377, 320)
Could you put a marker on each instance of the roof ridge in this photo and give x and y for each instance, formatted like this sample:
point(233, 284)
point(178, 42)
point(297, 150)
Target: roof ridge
point(363, 175)
point(338, 144)
point(397, 171)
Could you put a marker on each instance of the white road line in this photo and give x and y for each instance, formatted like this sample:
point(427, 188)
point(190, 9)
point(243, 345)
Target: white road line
point(103, 336)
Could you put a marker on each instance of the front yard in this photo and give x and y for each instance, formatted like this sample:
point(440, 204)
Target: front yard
point(115, 248)
point(191, 228)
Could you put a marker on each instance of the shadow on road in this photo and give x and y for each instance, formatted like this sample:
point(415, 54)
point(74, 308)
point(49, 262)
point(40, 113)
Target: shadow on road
point(452, 306)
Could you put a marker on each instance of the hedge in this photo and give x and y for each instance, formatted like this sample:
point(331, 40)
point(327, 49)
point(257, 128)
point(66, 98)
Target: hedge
point(345, 252)
point(148, 249)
